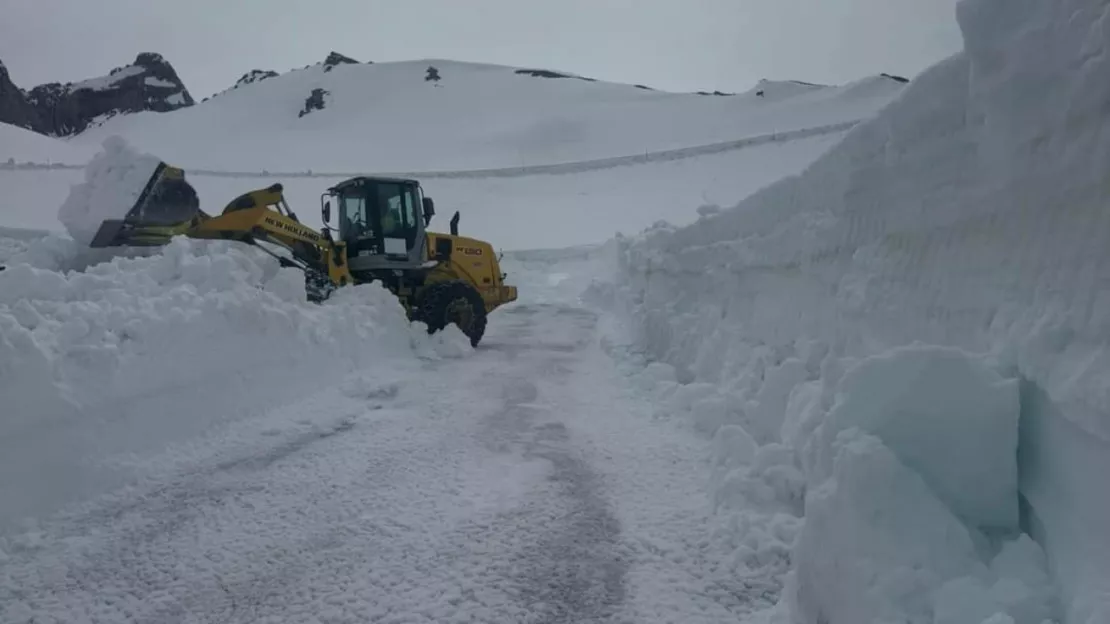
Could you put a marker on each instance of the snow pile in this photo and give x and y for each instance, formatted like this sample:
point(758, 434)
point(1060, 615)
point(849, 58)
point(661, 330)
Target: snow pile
point(114, 180)
point(129, 355)
point(969, 213)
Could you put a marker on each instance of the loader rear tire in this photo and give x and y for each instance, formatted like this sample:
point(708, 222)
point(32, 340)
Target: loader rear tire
point(453, 302)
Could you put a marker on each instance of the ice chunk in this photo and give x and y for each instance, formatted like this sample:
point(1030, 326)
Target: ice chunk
point(876, 541)
point(947, 416)
point(114, 179)
point(767, 419)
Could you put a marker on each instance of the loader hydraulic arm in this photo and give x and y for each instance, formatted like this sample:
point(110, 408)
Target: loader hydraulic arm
point(262, 216)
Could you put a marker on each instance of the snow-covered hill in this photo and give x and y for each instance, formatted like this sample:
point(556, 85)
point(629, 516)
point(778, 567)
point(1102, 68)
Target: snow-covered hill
point(530, 160)
point(20, 147)
point(389, 117)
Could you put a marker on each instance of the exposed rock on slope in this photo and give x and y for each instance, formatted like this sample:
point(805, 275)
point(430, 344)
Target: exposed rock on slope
point(254, 75)
point(148, 84)
point(314, 102)
point(335, 58)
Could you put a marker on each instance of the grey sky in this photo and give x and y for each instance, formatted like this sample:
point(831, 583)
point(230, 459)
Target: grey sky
point(680, 45)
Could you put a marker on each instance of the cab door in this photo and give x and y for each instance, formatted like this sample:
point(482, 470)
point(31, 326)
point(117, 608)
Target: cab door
point(392, 210)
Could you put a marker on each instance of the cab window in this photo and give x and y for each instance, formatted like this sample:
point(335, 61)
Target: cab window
point(398, 209)
point(354, 217)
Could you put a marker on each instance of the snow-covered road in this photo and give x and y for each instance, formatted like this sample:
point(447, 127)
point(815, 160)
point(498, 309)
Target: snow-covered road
point(526, 482)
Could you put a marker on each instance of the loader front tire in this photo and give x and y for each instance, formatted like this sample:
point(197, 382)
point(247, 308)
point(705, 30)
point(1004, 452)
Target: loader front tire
point(317, 286)
point(453, 302)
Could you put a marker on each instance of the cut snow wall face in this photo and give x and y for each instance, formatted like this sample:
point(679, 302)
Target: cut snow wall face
point(971, 212)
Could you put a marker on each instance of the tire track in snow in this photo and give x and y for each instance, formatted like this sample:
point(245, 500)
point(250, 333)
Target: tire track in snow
point(511, 486)
point(571, 560)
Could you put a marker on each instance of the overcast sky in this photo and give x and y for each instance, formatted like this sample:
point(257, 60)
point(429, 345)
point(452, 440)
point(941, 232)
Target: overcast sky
point(681, 45)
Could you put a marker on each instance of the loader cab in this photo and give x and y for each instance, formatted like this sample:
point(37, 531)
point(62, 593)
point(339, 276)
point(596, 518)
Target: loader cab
point(382, 221)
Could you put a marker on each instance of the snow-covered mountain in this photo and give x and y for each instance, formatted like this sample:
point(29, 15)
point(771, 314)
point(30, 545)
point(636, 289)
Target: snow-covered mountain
point(444, 115)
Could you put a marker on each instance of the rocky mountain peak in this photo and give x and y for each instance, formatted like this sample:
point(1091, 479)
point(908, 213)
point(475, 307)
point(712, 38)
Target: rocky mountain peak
point(14, 107)
point(335, 58)
point(150, 83)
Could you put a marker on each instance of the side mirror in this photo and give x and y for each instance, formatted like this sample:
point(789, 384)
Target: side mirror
point(429, 210)
point(455, 224)
point(326, 212)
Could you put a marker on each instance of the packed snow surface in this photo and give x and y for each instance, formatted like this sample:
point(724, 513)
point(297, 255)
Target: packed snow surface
point(301, 463)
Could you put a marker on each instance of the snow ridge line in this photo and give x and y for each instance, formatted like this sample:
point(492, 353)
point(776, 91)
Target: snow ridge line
point(580, 166)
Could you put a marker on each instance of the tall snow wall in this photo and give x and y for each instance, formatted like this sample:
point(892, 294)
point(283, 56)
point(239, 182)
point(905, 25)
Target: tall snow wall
point(971, 212)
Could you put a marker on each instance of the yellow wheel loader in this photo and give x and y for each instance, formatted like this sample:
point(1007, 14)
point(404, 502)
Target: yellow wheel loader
point(439, 278)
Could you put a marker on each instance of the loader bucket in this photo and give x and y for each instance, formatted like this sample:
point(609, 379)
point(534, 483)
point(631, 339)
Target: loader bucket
point(166, 207)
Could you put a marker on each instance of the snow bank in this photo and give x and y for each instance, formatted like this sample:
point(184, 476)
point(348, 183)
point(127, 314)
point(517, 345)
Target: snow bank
point(114, 180)
point(969, 213)
point(132, 354)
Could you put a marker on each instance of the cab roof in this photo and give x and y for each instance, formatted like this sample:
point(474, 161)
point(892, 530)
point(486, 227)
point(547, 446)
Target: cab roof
point(371, 179)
